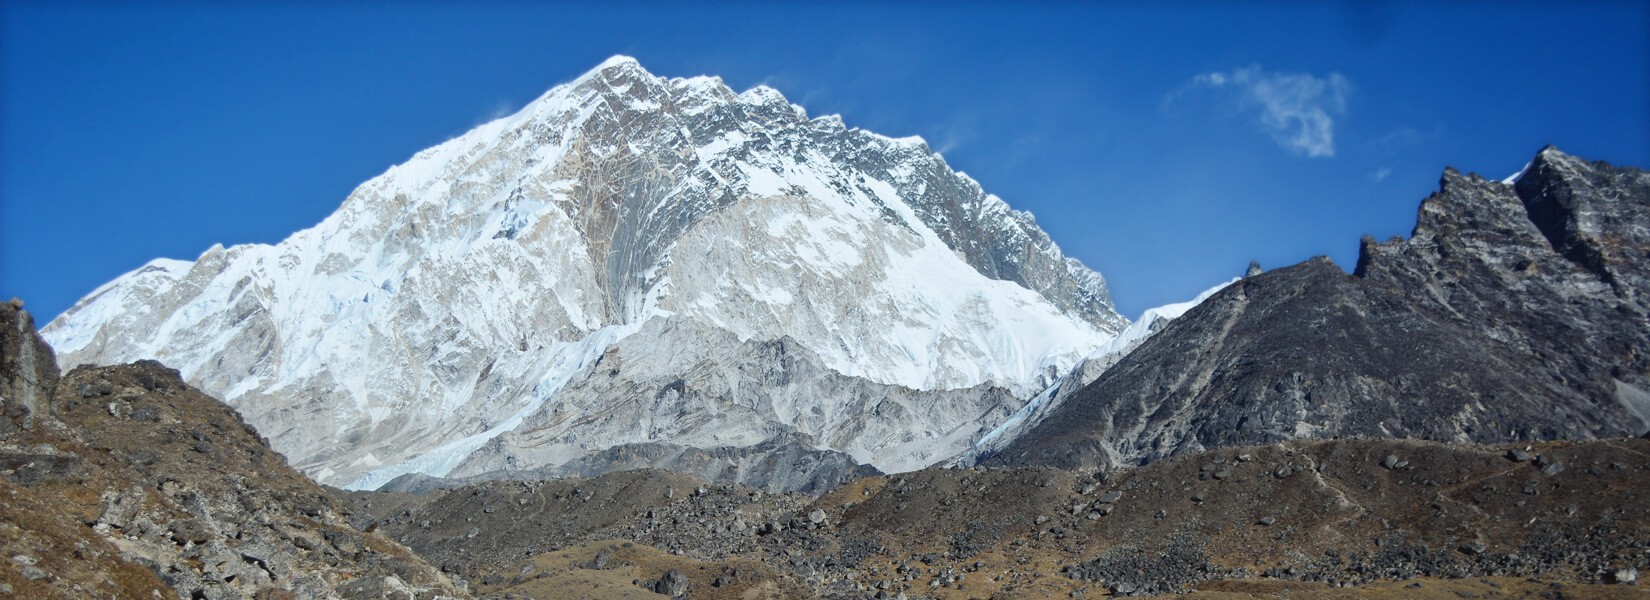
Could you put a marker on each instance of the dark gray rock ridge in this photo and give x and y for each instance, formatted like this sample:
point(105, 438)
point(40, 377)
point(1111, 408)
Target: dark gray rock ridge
point(1513, 312)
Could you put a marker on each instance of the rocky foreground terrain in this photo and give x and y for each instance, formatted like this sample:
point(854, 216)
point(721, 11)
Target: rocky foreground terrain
point(123, 482)
point(1300, 519)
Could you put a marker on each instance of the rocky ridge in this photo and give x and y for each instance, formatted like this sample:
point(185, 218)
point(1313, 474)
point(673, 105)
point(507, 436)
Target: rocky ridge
point(1515, 311)
point(1046, 403)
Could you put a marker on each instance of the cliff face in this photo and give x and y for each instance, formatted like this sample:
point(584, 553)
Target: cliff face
point(28, 371)
point(1515, 311)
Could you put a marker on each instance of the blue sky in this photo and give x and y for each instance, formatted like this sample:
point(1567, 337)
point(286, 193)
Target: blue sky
point(1163, 144)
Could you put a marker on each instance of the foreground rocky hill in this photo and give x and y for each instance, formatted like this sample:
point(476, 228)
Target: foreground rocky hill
point(124, 482)
point(1517, 310)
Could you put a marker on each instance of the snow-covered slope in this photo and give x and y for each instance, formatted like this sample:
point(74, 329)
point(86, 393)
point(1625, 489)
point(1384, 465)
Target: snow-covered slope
point(453, 299)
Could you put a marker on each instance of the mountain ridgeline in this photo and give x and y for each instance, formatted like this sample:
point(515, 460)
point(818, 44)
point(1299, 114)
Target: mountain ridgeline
point(1515, 311)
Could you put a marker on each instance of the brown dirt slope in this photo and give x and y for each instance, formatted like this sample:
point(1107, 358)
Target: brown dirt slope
point(1337, 512)
point(1294, 519)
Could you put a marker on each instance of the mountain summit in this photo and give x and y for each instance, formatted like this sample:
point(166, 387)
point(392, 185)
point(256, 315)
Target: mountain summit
point(631, 270)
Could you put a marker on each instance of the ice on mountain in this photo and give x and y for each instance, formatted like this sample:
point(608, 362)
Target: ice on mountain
point(465, 299)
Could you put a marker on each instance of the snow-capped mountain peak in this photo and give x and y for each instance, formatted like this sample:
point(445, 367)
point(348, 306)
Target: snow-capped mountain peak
point(458, 313)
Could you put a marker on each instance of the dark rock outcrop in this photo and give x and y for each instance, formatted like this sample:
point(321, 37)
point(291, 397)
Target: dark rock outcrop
point(28, 370)
point(1513, 312)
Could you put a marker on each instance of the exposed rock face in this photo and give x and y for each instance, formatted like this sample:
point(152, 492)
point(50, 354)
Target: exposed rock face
point(1041, 406)
point(1514, 312)
point(454, 300)
point(130, 482)
point(684, 396)
point(28, 370)
point(1593, 215)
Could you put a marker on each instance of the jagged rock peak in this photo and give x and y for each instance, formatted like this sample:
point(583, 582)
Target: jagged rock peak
point(1513, 312)
point(1575, 204)
point(1558, 202)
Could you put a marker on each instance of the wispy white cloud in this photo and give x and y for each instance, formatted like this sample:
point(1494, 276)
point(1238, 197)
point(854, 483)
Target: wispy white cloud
point(960, 129)
point(1297, 110)
point(1380, 174)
